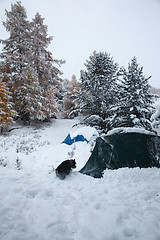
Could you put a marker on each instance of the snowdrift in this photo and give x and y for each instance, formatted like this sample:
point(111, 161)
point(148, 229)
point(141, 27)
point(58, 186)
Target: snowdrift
point(123, 149)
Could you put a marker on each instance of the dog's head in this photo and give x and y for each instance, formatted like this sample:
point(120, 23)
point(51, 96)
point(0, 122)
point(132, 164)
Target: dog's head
point(73, 163)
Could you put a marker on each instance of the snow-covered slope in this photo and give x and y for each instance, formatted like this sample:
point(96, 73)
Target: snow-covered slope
point(34, 204)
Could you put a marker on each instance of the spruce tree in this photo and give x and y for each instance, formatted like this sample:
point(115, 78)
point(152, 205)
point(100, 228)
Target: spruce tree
point(99, 86)
point(134, 108)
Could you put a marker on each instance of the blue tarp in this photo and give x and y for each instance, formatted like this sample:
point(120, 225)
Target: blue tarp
point(78, 138)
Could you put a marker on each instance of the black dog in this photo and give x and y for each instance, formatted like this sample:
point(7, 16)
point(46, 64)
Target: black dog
point(64, 168)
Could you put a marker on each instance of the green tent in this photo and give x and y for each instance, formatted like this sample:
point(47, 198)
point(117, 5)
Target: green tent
point(123, 150)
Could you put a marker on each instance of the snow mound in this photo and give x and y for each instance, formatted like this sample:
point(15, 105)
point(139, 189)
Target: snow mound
point(155, 118)
point(87, 132)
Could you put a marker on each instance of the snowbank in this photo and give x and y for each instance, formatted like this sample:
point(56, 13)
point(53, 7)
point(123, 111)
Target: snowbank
point(34, 204)
point(122, 205)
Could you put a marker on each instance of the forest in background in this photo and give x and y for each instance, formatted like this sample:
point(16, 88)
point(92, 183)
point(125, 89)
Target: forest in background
point(32, 87)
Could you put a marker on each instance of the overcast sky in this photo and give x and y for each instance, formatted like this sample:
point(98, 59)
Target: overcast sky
point(123, 28)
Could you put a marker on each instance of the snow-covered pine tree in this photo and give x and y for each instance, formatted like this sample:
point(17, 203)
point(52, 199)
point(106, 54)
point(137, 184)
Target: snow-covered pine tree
point(5, 73)
point(71, 100)
point(51, 105)
point(16, 52)
point(7, 111)
point(44, 64)
point(29, 97)
point(99, 87)
point(135, 105)
point(26, 48)
point(41, 58)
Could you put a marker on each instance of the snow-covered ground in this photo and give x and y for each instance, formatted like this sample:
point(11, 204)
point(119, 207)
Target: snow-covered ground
point(35, 205)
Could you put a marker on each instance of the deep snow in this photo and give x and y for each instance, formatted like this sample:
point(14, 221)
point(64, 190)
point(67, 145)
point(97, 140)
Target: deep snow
point(35, 205)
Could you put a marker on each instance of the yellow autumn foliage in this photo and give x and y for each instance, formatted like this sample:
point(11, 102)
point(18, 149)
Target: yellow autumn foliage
point(7, 111)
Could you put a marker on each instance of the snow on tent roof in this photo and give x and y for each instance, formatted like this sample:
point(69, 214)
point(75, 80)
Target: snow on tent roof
point(129, 130)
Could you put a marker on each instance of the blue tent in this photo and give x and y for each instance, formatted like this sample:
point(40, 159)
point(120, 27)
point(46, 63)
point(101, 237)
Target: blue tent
point(79, 138)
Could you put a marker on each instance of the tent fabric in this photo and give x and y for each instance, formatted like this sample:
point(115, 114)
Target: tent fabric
point(79, 138)
point(123, 150)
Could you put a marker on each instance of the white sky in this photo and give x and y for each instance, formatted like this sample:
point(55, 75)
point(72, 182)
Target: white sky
point(123, 28)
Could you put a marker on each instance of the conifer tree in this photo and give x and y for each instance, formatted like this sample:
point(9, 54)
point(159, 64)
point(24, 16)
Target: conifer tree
point(5, 74)
point(42, 59)
point(30, 100)
point(7, 111)
point(134, 107)
point(25, 55)
point(44, 64)
point(71, 102)
point(99, 84)
point(51, 104)
point(16, 52)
